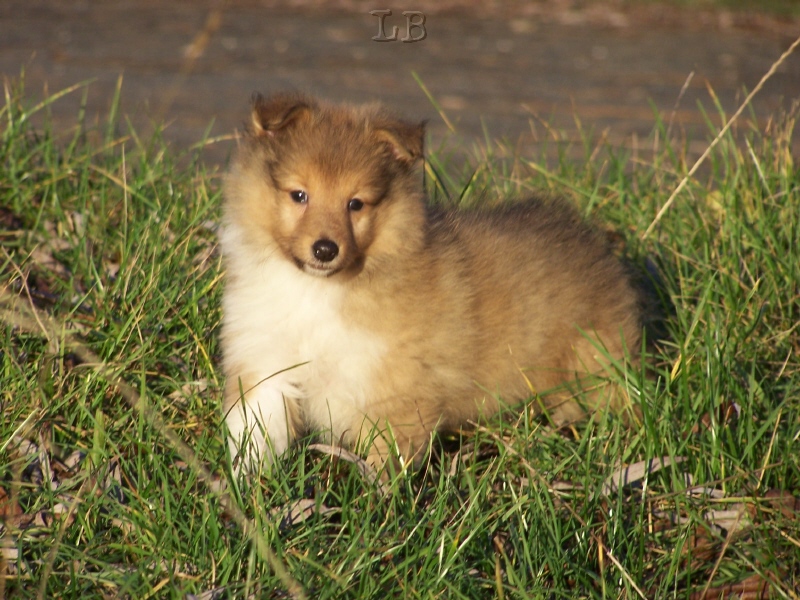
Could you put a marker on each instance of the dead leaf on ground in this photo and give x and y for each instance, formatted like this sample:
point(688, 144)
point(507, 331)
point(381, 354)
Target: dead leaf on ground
point(61, 481)
point(784, 502)
point(636, 472)
point(754, 587)
point(299, 511)
point(188, 388)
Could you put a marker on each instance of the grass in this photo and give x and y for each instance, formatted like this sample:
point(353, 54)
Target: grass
point(110, 290)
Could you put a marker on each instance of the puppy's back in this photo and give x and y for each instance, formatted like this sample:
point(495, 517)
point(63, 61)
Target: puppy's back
point(552, 302)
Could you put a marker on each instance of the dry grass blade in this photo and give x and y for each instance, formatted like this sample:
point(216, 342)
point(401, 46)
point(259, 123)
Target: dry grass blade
point(27, 318)
point(716, 140)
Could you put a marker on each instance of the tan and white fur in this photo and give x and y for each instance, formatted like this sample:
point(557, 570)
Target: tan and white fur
point(353, 309)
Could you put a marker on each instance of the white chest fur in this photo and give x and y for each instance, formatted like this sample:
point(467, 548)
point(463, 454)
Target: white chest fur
point(284, 329)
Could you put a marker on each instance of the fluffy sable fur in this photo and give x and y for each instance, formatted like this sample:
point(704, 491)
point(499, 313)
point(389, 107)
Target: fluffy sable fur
point(352, 308)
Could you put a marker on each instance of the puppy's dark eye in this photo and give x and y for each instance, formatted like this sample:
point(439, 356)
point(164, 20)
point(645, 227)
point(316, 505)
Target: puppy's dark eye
point(355, 204)
point(299, 196)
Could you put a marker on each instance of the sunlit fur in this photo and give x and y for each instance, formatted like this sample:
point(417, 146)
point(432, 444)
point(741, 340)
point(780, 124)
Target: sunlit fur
point(423, 320)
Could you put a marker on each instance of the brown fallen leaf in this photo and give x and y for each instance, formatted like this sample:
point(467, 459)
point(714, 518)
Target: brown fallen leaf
point(9, 507)
point(784, 502)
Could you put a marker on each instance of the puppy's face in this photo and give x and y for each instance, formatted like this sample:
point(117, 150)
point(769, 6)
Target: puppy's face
point(319, 183)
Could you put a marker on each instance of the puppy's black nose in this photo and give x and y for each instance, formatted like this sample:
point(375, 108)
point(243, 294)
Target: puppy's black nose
point(325, 250)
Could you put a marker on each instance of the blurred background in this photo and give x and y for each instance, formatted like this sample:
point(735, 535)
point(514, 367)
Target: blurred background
point(530, 73)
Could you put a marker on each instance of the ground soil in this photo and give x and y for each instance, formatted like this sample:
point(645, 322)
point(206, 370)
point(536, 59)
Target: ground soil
point(527, 72)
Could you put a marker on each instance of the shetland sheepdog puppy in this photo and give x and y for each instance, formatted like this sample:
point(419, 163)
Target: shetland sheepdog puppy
point(353, 308)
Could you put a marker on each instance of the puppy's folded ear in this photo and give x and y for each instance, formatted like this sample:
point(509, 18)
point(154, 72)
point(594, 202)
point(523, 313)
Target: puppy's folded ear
point(279, 111)
point(405, 140)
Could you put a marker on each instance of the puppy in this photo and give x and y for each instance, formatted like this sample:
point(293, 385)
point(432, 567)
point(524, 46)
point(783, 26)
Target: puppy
point(352, 308)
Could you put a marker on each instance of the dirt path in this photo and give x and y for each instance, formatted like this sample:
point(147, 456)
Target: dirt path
point(189, 63)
